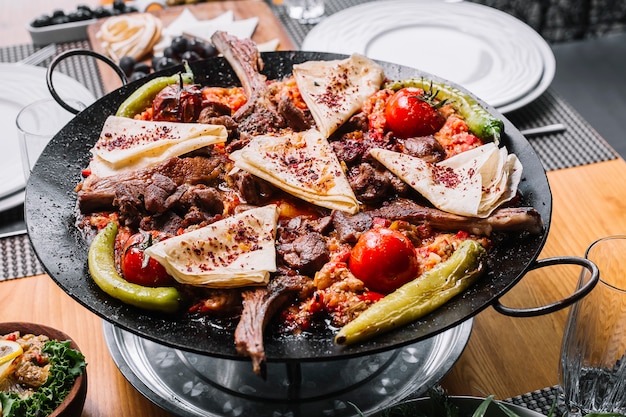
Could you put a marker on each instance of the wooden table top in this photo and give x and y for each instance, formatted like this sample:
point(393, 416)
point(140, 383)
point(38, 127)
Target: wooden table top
point(505, 356)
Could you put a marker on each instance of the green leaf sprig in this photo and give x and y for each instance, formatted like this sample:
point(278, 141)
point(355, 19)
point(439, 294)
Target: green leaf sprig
point(442, 400)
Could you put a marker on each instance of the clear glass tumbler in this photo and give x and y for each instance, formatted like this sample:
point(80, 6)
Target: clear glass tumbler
point(593, 353)
point(37, 123)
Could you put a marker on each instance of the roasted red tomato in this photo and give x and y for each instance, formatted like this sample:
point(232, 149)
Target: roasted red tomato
point(140, 269)
point(383, 259)
point(410, 113)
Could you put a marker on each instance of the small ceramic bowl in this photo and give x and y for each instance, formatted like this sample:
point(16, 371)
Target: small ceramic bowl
point(467, 405)
point(75, 400)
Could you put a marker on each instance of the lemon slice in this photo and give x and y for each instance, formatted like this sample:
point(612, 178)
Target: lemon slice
point(9, 350)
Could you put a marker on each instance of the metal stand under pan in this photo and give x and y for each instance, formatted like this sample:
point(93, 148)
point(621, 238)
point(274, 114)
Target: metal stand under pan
point(192, 385)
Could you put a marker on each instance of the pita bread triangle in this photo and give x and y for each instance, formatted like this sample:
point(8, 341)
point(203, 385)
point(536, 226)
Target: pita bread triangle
point(302, 164)
point(473, 183)
point(129, 144)
point(234, 252)
point(335, 90)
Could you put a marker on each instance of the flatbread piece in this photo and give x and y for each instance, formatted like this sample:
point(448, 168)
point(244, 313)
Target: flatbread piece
point(302, 164)
point(234, 252)
point(335, 90)
point(128, 144)
point(473, 183)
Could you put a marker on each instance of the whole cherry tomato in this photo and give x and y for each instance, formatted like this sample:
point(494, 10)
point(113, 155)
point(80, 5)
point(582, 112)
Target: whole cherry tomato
point(410, 113)
point(140, 269)
point(384, 259)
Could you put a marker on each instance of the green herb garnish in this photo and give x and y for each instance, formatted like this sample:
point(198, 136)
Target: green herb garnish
point(66, 365)
point(444, 407)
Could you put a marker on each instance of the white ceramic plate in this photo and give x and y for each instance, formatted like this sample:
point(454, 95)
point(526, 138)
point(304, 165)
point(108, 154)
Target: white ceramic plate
point(19, 86)
point(491, 53)
point(11, 200)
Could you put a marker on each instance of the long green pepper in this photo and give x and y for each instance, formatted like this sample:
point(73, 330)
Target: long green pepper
point(419, 297)
point(478, 119)
point(142, 98)
point(101, 262)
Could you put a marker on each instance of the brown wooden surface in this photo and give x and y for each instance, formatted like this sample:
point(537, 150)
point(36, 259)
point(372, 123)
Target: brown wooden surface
point(505, 356)
point(269, 27)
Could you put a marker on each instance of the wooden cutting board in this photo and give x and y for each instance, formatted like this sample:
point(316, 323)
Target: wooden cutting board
point(268, 28)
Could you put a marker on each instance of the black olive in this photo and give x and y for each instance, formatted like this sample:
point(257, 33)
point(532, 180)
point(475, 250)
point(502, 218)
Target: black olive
point(127, 64)
point(155, 59)
point(119, 5)
point(83, 14)
point(179, 44)
point(190, 56)
point(84, 7)
point(142, 67)
point(41, 21)
point(58, 13)
point(195, 45)
point(163, 62)
point(209, 50)
point(169, 52)
point(59, 20)
point(101, 11)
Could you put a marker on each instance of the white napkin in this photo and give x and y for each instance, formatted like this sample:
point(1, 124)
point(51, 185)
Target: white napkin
point(239, 28)
point(187, 24)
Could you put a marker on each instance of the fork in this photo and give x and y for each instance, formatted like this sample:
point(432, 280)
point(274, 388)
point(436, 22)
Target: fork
point(39, 56)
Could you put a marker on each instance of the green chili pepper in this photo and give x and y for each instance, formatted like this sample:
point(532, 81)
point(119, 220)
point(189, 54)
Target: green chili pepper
point(142, 98)
point(419, 297)
point(478, 119)
point(102, 268)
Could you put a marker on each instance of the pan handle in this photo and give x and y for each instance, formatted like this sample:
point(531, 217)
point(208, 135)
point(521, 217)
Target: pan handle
point(557, 305)
point(74, 52)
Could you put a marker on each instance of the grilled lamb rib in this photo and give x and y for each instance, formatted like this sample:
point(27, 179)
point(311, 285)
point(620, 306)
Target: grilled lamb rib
point(259, 114)
point(521, 219)
point(506, 219)
point(259, 306)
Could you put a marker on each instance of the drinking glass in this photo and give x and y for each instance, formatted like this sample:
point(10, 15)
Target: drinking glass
point(593, 353)
point(305, 11)
point(37, 123)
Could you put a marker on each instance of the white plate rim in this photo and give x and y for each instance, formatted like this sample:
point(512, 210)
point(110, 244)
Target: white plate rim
point(30, 82)
point(12, 200)
point(318, 39)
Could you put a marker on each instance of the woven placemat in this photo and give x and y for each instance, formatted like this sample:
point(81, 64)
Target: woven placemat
point(579, 144)
point(542, 401)
point(18, 258)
